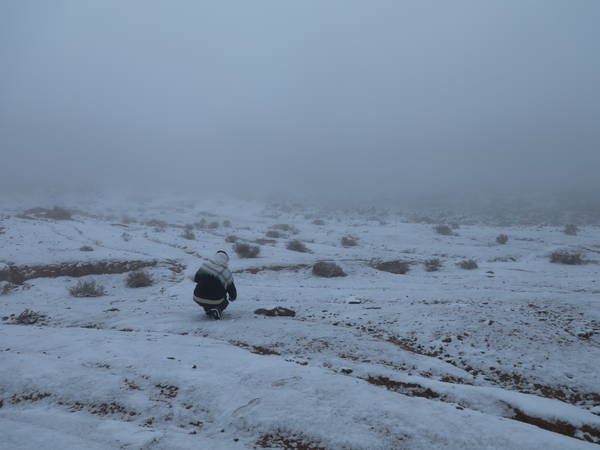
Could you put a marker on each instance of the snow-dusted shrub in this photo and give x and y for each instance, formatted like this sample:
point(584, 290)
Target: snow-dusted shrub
point(227, 223)
point(502, 239)
point(318, 222)
point(29, 317)
point(86, 248)
point(327, 270)
point(570, 229)
point(432, 264)
point(157, 224)
point(468, 264)
point(566, 257)
point(6, 287)
point(231, 238)
point(348, 241)
point(188, 234)
point(297, 246)
point(87, 289)
point(444, 230)
point(285, 227)
point(246, 250)
point(274, 234)
point(397, 267)
point(127, 220)
point(138, 279)
point(213, 225)
point(201, 224)
point(58, 213)
point(125, 236)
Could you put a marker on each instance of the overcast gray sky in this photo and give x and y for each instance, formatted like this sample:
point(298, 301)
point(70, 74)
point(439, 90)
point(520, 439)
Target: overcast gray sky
point(356, 98)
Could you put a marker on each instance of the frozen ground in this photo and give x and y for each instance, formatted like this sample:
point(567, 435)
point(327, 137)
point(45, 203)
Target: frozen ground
point(503, 356)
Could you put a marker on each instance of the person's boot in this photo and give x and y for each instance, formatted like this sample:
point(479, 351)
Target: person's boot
point(215, 313)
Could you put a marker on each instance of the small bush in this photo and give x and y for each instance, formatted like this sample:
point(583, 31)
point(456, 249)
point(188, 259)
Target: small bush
point(285, 227)
point(87, 289)
point(58, 213)
point(227, 223)
point(231, 238)
point(327, 270)
point(348, 241)
point(318, 222)
point(86, 248)
point(246, 250)
point(200, 225)
point(213, 225)
point(455, 226)
point(432, 265)
point(188, 234)
point(502, 239)
point(29, 317)
point(297, 246)
point(570, 229)
point(159, 225)
point(468, 264)
point(6, 287)
point(138, 279)
point(396, 267)
point(127, 220)
point(274, 234)
point(126, 236)
point(566, 257)
point(444, 230)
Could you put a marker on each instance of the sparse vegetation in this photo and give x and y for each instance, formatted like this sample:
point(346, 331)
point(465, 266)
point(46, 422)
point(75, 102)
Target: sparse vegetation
point(6, 287)
point(231, 238)
point(29, 317)
point(58, 213)
point(126, 220)
point(566, 257)
point(318, 222)
point(348, 241)
point(159, 225)
point(502, 239)
point(213, 225)
point(87, 289)
point(571, 229)
point(327, 270)
point(444, 230)
point(468, 264)
point(138, 279)
point(432, 264)
point(274, 234)
point(396, 267)
point(126, 236)
point(297, 246)
point(244, 250)
point(86, 248)
point(226, 223)
point(201, 224)
point(188, 234)
point(285, 227)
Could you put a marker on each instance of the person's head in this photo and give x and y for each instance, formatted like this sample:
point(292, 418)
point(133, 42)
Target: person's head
point(222, 257)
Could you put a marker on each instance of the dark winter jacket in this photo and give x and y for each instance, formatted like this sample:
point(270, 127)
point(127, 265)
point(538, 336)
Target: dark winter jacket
point(210, 287)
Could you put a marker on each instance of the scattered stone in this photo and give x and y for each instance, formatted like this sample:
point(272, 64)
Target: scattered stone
point(276, 312)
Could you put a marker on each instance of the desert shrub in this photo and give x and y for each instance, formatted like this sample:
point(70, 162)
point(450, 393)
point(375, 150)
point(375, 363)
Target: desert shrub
point(318, 222)
point(29, 317)
point(188, 234)
point(432, 264)
point(213, 225)
point(6, 287)
point(127, 220)
point(188, 226)
point(566, 257)
point(125, 236)
point(348, 241)
point(327, 270)
point(227, 223)
point(231, 238)
point(201, 224)
point(285, 227)
point(87, 289)
point(157, 224)
point(274, 234)
point(297, 246)
point(570, 229)
point(397, 267)
point(86, 248)
point(138, 279)
point(444, 230)
point(58, 213)
point(468, 264)
point(246, 250)
point(502, 239)
point(455, 226)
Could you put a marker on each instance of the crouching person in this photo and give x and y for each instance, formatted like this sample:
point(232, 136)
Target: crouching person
point(214, 285)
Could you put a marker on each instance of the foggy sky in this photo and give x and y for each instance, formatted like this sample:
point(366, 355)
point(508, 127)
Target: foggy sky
point(344, 97)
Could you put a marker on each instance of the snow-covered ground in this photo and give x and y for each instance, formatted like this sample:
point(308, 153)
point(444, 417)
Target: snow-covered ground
point(503, 356)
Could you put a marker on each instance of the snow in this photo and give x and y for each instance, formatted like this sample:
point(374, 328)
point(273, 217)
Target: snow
point(518, 333)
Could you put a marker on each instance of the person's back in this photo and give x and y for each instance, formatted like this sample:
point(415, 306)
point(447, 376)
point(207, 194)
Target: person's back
point(214, 285)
